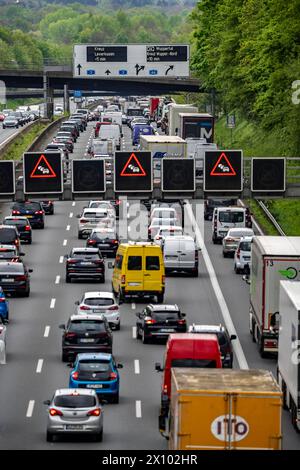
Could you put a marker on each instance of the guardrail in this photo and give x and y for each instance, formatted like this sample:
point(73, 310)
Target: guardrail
point(271, 218)
point(4, 146)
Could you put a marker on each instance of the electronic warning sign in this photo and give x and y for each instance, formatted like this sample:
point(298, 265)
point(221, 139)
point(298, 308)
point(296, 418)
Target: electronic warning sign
point(43, 173)
point(7, 178)
point(268, 175)
point(88, 176)
point(178, 175)
point(223, 171)
point(133, 172)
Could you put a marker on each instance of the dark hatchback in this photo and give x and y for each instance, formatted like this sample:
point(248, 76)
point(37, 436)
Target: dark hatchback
point(85, 263)
point(15, 278)
point(158, 321)
point(32, 210)
point(106, 240)
point(85, 333)
point(48, 207)
point(22, 225)
point(10, 253)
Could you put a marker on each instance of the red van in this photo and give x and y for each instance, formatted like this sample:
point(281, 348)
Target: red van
point(186, 350)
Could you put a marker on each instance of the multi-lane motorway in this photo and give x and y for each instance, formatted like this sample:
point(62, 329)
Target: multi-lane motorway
point(34, 368)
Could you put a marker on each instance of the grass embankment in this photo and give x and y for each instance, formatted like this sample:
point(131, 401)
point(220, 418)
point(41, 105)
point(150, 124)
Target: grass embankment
point(22, 142)
point(255, 142)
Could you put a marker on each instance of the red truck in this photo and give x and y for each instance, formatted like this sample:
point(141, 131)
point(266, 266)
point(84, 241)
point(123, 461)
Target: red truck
point(185, 350)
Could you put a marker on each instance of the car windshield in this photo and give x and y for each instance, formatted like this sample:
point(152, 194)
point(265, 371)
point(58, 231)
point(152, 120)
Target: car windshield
point(193, 363)
point(75, 401)
point(245, 246)
point(99, 301)
point(14, 268)
point(80, 326)
point(27, 206)
point(84, 255)
point(231, 217)
point(94, 366)
point(7, 235)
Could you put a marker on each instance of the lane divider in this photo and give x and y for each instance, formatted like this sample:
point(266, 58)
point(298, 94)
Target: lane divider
point(138, 408)
point(52, 304)
point(57, 280)
point(61, 259)
point(68, 228)
point(30, 408)
point(134, 332)
point(71, 215)
point(136, 366)
point(65, 242)
point(39, 366)
point(47, 331)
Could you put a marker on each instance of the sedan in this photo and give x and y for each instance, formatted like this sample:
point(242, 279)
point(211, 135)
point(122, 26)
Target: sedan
point(4, 311)
point(15, 278)
point(32, 210)
point(10, 121)
point(85, 263)
point(105, 239)
point(23, 226)
point(231, 240)
point(103, 303)
point(73, 412)
point(10, 253)
point(98, 372)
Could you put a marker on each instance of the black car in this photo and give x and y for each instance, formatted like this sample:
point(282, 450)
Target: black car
point(104, 239)
point(66, 134)
point(48, 207)
point(9, 235)
point(85, 333)
point(85, 263)
point(15, 278)
point(210, 204)
point(64, 140)
point(32, 210)
point(224, 340)
point(22, 225)
point(158, 321)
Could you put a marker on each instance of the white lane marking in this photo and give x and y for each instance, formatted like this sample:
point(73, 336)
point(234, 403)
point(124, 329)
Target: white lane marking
point(52, 304)
point(133, 306)
point(73, 204)
point(134, 332)
point(57, 280)
point(136, 366)
point(138, 408)
point(39, 366)
point(47, 331)
point(71, 215)
point(61, 259)
point(243, 364)
point(65, 242)
point(253, 220)
point(30, 408)
point(68, 228)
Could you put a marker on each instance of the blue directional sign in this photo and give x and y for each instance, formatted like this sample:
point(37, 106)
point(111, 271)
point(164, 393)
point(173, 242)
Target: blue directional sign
point(90, 72)
point(153, 72)
point(123, 72)
point(77, 94)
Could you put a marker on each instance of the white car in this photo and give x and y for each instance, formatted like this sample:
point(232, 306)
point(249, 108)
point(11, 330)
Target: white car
point(167, 231)
point(103, 303)
point(231, 240)
point(157, 223)
point(242, 256)
point(163, 213)
point(91, 219)
point(107, 205)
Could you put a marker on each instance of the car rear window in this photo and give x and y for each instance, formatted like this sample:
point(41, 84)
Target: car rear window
point(85, 255)
point(95, 366)
point(237, 234)
point(75, 401)
point(134, 263)
point(7, 235)
point(163, 316)
point(103, 236)
point(98, 302)
point(6, 253)
point(95, 215)
point(27, 206)
point(152, 263)
point(80, 326)
point(245, 246)
point(16, 223)
point(193, 363)
point(14, 268)
point(231, 217)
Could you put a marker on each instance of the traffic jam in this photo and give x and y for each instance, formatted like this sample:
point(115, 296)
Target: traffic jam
point(117, 284)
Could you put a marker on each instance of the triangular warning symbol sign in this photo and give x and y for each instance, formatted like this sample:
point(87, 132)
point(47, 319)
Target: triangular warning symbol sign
point(223, 167)
point(43, 169)
point(133, 167)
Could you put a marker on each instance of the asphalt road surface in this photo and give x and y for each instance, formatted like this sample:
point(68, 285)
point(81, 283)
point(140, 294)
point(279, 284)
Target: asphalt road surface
point(34, 368)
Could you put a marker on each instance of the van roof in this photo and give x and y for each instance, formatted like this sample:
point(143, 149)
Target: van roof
point(137, 244)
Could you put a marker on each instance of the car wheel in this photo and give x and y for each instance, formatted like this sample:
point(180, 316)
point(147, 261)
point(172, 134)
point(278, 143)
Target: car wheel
point(225, 255)
point(26, 293)
point(118, 327)
point(50, 437)
point(214, 240)
point(79, 236)
point(116, 398)
point(160, 298)
point(99, 436)
point(42, 226)
point(138, 334)
point(64, 357)
point(195, 273)
point(29, 241)
point(102, 280)
point(145, 340)
point(68, 279)
point(236, 270)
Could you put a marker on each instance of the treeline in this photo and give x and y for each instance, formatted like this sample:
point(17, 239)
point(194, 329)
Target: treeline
point(248, 50)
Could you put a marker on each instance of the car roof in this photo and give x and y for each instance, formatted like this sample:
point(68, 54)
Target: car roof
point(100, 210)
point(246, 239)
point(100, 295)
point(11, 263)
point(164, 307)
point(206, 328)
point(87, 317)
point(90, 356)
point(180, 238)
point(86, 250)
point(241, 229)
point(8, 247)
point(7, 226)
point(14, 217)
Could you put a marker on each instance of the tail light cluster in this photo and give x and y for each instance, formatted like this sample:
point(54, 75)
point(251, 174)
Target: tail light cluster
point(92, 242)
point(196, 255)
point(113, 375)
point(123, 279)
point(27, 228)
point(113, 308)
point(71, 261)
point(83, 307)
point(238, 253)
point(83, 221)
point(2, 299)
point(163, 279)
point(39, 212)
point(95, 412)
point(181, 322)
point(70, 335)
point(21, 278)
point(14, 212)
point(55, 412)
point(150, 321)
point(75, 375)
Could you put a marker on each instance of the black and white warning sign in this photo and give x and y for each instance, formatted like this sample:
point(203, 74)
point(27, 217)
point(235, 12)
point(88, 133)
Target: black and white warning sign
point(106, 54)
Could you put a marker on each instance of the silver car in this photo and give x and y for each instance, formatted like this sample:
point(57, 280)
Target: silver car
point(231, 240)
point(103, 303)
point(72, 412)
point(242, 256)
point(93, 218)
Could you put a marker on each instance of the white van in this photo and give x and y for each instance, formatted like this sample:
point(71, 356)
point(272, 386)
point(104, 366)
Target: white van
point(225, 218)
point(116, 117)
point(180, 254)
point(112, 131)
point(163, 213)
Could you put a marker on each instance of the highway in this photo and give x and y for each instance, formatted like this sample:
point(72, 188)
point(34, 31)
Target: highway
point(34, 368)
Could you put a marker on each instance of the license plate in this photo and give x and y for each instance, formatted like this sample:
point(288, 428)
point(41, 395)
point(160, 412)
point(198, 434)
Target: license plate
point(86, 264)
point(7, 280)
point(29, 216)
point(133, 284)
point(104, 246)
point(98, 311)
point(94, 386)
point(74, 426)
point(87, 340)
point(247, 258)
point(166, 330)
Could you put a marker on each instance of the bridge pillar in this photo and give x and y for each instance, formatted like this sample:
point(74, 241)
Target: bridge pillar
point(48, 97)
point(66, 99)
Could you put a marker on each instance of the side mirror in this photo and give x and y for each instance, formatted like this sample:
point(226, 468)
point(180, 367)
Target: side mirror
point(158, 367)
point(77, 302)
point(183, 315)
point(119, 366)
point(232, 337)
point(22, 254)
point(103, 402)
point(66, 256)
point(111, 265)
point(138, 315)
point(78, 216)
point(30, 270)
point(121, 302)
point(47, 402)
point(62, 327)
point(122, 135)
point(70, 364)
point(246, 278)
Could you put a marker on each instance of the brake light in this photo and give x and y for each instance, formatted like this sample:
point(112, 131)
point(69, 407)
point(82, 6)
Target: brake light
point(238, 253)
point(83, 307)
point(15, 212)
point(71, 261)
point(230, 239)
point(17, 242)
point(92, 242)
point(75, 375)
point(55, 412)
point(123, 279)
point(70, 335)
point(115, 242)
point(27, 228)
point(165, 391)
point(150, 321)
point(163, 279)
point(114, 307)
point(83, 221)
point(96, 412)
point(113, 375)
point(2, 299)
point(39, 212)
point(20, 278)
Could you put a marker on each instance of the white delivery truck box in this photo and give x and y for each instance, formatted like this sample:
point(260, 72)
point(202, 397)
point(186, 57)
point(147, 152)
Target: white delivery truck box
point(173, 116)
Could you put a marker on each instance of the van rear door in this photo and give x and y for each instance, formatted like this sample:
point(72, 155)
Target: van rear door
point(153, 270)
point(134, 270)
point(187, 254)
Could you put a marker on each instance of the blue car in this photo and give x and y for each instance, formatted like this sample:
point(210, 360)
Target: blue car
point(141, 129)
point(4, 312)
point(97, 371)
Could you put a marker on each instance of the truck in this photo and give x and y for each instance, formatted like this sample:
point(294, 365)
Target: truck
point(173, 116)
point(196, 125)
point(163, 145)
point(273, 259)
point(102, 147)
point(224, 409)
point(288, 349)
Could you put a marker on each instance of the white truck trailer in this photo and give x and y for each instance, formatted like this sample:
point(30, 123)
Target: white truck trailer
point(288, 348)
point(273, 259)
point(174, 118)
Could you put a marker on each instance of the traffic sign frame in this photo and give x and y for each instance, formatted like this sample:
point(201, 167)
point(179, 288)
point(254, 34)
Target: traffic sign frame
point(269, 190)
point(133, 190)
point(61, 174)
point(91, 191)
point(14, 177)
point(206, 153)
point(177, 190)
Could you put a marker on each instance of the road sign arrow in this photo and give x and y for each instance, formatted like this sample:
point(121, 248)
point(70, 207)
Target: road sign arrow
point(108, 72)
point(79, 67)
point(139, 68)
point(171, 67)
